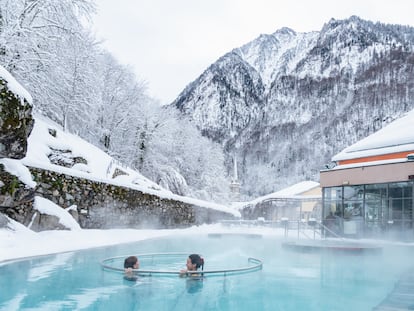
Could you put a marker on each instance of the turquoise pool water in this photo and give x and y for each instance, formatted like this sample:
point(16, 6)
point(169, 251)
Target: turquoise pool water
point(288, 281)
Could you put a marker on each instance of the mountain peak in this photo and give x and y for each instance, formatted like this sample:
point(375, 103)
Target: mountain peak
point(284, 31)
point(352, 22)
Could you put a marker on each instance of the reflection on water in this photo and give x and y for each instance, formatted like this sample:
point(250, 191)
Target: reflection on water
point(194, 285)
point(289, 280)
point(47, 266)
point(12, 304)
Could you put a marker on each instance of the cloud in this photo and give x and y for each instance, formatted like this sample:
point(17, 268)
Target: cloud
point(170, 43)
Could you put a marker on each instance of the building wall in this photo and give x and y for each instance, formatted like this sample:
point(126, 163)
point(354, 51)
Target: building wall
point(311, 207)
point(383, 173)
point(313, 191)
point(379, 204)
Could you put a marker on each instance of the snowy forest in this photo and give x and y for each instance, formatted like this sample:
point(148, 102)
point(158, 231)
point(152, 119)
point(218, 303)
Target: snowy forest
point(48, 46)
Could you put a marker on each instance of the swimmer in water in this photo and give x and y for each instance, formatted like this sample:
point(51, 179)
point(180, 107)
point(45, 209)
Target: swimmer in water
point(194, 262)
point(130, 263)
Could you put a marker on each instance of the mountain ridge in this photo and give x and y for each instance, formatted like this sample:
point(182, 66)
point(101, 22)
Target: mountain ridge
point(285, 103)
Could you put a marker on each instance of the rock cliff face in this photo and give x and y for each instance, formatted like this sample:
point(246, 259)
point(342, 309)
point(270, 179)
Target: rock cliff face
point(285, 103)
point(16, 122)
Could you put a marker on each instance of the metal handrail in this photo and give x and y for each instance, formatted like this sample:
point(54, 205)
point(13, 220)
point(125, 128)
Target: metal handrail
point(319, 231)
point(258, 265)
point(321, 225)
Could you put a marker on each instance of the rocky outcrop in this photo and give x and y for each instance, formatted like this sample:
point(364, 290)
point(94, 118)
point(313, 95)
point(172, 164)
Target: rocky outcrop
point(16, 199)
point(3, 221)
point(41, 222)
point(16, 122)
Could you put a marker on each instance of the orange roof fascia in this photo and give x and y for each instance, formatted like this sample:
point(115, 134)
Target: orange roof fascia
point(380, 157)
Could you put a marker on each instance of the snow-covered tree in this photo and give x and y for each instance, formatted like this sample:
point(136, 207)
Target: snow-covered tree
point(178, 158)
point(74, 96)
point(44, 44)
point(121, 99)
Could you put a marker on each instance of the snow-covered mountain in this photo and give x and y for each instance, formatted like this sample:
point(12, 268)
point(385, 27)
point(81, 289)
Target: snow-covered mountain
point(285, 103)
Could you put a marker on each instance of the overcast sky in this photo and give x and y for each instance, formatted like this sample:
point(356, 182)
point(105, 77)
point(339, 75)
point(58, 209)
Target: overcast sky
point(170, 43)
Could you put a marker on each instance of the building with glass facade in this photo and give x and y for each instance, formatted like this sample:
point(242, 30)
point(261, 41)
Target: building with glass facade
point(369, 192)
point(299, 202)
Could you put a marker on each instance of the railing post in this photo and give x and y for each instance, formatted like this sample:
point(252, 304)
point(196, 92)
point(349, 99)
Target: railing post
point(285, 222)
point(312, 222)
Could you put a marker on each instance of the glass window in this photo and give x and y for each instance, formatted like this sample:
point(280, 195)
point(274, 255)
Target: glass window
point(375, 192)
point(353, 201)
point(332, 204)
point(333, 193)
point(375, 207)
point(401, 190)
point(353, 192)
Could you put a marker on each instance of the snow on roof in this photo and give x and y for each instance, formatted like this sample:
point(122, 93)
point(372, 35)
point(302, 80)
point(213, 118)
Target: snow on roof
point(14, 86)
point(369, 163)
point(289, 192)
point(398, 136)
point(100, 166)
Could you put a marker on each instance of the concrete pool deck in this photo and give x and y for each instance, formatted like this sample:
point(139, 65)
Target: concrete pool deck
point(334, 246)
point(402, 296)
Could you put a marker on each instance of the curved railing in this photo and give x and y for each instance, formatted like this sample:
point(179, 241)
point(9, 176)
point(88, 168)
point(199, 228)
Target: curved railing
point(256, 264)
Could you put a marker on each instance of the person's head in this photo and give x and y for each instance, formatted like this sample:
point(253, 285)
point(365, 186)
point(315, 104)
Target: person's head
point(194, 261)
point(131, 262)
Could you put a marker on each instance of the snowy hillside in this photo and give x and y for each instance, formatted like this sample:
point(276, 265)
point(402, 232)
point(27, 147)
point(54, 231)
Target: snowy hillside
point(46, 149)
point(52, 149)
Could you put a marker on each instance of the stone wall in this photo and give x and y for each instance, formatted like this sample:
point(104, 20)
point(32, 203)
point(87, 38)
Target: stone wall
point(98, 205)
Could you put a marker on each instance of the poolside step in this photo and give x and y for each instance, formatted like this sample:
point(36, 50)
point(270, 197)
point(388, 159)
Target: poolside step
point(401, 297)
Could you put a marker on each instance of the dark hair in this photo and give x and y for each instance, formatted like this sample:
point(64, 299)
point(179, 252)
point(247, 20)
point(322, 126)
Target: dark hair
point(197, 260)
point(130, 262)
